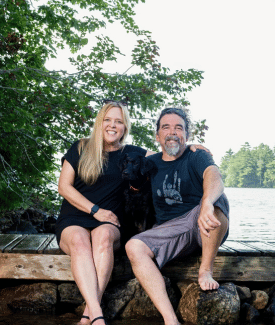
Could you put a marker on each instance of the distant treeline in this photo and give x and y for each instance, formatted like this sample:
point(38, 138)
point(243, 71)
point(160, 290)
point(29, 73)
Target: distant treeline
point(249, 167)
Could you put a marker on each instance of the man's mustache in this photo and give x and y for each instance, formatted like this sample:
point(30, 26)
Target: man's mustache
point(172, 137)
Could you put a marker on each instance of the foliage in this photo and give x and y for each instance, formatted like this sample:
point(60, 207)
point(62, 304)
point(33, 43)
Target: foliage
point(42, 112)
point(249, 167)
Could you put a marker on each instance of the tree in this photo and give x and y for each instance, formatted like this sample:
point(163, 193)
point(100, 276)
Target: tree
point(43, 112)
point(249, 167)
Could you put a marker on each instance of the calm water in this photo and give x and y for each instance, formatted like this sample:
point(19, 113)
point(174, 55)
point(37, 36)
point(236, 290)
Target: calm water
point(252, 213)
point(252, 216)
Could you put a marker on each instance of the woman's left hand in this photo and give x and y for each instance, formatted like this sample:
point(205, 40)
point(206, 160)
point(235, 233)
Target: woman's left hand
point(194, 147)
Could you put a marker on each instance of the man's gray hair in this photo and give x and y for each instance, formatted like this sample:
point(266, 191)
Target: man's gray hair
point(180, 112)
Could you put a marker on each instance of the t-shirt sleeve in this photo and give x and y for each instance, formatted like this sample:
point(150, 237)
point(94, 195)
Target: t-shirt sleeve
point(200, 161)
point(72, 156)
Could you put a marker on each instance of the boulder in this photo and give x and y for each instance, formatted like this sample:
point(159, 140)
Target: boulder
point(69, 293)
point(259, 299)
point(249, 313)
point(244, 293)
point(217, 307)
point(141, 305)
point(33, 299)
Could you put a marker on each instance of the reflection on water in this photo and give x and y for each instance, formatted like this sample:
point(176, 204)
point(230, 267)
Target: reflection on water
point(252, 213)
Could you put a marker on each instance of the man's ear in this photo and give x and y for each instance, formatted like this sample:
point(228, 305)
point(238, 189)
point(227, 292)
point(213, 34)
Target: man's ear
point(157, 137)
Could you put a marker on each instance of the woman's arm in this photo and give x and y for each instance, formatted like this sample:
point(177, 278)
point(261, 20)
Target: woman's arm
point(75, 198)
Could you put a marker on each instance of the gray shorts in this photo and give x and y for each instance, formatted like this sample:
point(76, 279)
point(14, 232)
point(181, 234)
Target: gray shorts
point(179, 236)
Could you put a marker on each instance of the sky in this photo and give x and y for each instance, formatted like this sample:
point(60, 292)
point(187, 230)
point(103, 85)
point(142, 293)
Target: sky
point(232, 41)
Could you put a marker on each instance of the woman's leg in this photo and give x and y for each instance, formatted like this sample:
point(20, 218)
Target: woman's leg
point(76, 242)
point(105, 239)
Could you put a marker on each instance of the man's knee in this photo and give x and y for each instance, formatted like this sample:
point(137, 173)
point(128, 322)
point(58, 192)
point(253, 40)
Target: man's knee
point(222, 218)
point(136, 248)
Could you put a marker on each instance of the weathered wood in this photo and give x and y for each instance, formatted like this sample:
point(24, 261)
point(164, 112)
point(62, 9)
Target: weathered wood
point(226, 268)
point(241, 249)
point(265, 248)
point(30, 244)
point(38, 257)
point(35, 267)
point(14, 243)
point(7, 239)
point(53, 248)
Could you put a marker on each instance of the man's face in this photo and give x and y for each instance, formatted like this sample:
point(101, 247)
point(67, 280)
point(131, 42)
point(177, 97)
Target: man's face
point(172, 135)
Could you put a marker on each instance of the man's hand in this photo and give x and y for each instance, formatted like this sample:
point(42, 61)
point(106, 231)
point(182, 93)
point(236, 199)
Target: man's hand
point(106, 216)
point(194, 147)
point(207, 220)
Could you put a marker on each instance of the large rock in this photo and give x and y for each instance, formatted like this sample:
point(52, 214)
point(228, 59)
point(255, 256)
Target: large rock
point(259, 299)
point(116, 298)
point(217, 307)
point(33, 299)
point(141, 305)
point(244, 293)
point(69, 293)
point(249, 313)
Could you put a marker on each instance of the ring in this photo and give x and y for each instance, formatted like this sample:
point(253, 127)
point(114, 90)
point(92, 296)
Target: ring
point(207, 220)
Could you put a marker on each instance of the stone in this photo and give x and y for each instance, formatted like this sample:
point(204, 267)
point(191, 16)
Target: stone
point(249, 313)
point(244, 293)
point(217, 307)
point(259, 299)
point(116, 298)
point(33, 299)
point(69, 293)
point(141, 305)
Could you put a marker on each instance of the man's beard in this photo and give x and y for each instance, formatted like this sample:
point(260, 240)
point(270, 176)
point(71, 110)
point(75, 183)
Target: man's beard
point(174, 149)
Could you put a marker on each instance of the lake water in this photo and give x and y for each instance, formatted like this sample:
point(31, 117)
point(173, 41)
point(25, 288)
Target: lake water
point(252, 213)
point(252, 217)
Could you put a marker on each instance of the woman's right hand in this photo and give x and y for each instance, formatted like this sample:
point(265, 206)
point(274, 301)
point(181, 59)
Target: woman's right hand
point(107, 216)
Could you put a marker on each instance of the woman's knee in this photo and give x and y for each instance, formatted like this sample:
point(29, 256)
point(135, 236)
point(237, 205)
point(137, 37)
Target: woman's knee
point(104, 237)
point(75, 241)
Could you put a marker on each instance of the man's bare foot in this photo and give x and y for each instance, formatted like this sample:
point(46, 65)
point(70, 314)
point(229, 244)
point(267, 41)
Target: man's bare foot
point(206, 280)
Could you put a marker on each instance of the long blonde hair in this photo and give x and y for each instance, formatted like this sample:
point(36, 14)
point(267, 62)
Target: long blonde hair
point(92, 156)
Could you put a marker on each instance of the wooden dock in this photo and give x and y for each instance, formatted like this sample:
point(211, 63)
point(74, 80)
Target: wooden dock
point(38, 257)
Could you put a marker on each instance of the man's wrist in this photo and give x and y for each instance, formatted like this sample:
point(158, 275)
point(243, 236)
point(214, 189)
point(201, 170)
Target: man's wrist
point(94, 209)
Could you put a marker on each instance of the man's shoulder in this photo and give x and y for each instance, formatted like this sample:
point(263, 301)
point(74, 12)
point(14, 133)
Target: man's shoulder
point(156, 157)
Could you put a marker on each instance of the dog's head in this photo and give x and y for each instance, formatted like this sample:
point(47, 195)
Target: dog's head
point(136, 168)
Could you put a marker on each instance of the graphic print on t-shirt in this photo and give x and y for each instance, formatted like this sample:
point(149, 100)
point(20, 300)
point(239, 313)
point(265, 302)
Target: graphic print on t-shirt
point(170, 192)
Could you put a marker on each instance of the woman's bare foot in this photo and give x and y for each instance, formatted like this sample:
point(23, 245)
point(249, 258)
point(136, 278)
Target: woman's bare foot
point(206, 280)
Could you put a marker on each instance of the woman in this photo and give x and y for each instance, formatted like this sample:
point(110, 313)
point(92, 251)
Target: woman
point(89, 225)
point(88, 228)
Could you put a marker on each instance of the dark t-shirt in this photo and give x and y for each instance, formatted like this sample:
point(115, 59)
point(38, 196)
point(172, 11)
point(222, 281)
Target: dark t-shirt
point(107, 192)
point(177, 186)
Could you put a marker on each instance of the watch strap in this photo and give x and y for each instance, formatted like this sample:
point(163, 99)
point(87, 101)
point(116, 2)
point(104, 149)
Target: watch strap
point(94, 209)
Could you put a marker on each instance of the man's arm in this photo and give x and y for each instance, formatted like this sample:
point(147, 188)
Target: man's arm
point(212, 189)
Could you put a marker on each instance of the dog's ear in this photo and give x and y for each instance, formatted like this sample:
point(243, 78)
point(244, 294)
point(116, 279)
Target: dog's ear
point(147, 166)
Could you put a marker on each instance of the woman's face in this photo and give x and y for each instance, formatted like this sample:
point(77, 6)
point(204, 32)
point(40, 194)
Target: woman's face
point(113, 127)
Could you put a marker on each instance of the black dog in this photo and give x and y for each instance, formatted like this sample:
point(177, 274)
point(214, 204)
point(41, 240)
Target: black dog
point(139, 213)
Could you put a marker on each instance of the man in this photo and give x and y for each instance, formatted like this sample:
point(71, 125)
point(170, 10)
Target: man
point(191, 212)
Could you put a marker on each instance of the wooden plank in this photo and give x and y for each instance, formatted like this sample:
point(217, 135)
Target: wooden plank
point(226, 268)
point(241, 249)
point(7, 239)
point(226, 251)
point(30, 244)
point(10, 247)
point(45, 244)
point(35, 267)
point(53, 248)
point(265, 248)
